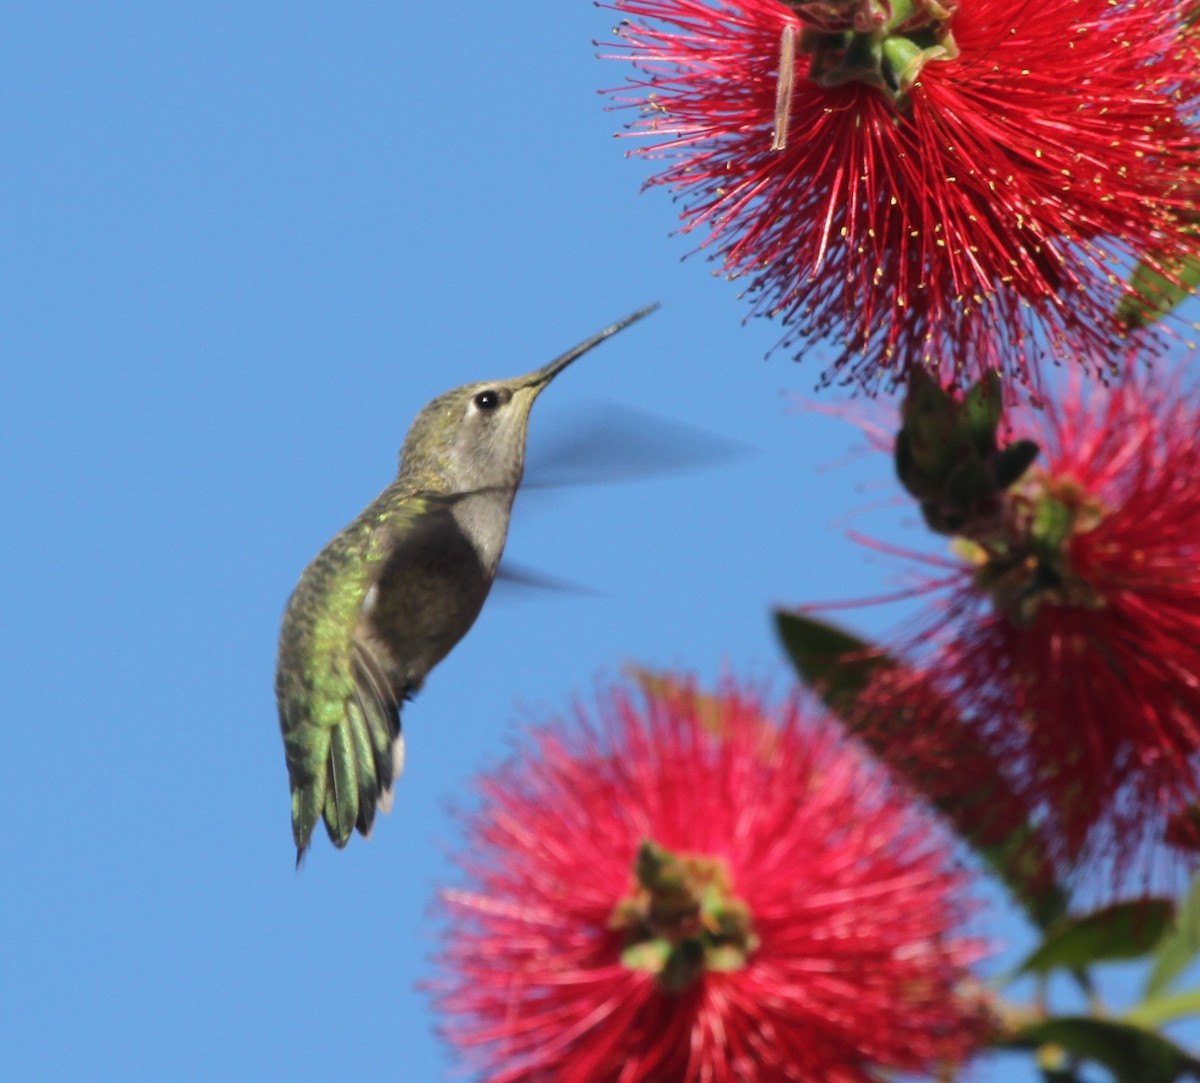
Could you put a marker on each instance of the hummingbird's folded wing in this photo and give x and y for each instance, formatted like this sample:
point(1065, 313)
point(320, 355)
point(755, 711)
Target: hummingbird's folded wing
point(338, 713)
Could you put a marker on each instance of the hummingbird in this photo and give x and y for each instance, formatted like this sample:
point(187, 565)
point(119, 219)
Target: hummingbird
point(388, 598)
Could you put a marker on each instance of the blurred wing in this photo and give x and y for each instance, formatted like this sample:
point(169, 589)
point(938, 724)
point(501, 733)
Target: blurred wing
point(518, 576)
point(619, 443)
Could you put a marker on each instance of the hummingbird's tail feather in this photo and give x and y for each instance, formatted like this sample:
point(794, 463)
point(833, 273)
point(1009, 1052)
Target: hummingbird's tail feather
point(341, 792)
point(387, 796)
point(375, 771)
point(359, 773)
point(380, 711)
point(343, 765)
point(365, 767)
point(308, 802)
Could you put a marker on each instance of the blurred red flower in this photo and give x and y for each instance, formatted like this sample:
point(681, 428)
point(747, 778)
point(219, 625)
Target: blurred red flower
point(906, 720)
point(1068, 637)
point(681, 890)
point(972, 202)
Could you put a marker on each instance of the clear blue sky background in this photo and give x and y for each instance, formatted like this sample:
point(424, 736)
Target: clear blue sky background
point(242, 245)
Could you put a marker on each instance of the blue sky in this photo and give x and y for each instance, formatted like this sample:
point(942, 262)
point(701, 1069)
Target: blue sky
point(242, 245)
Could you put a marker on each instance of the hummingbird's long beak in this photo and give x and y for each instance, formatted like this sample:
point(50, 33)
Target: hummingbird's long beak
point(539, 379)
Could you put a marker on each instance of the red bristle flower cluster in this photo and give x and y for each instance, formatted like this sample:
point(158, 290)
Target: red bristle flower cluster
point(983, 218)
point(691, 890)
point(906, 720)
point(1070, 637)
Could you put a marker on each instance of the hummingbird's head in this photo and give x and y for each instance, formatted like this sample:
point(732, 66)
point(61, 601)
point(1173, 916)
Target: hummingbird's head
point(473, 438)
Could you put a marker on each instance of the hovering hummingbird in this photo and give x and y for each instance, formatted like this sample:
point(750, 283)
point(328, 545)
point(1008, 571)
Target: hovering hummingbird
point(390, 596)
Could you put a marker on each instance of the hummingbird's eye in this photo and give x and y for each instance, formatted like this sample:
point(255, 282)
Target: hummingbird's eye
point(487, 400)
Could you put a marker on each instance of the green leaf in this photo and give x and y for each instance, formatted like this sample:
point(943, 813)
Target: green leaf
point(967, 484)
point(1125, 930)
point(1131, 1053)
point(819, 652)
point(905, 466)
point(930, 415)
point(981, 410)
point(1159, 284)
point(1165, 1009)
point(1179, 945)
point(1060, 1075)
point(837, 665)
point(1013, 461)
point(942, 522)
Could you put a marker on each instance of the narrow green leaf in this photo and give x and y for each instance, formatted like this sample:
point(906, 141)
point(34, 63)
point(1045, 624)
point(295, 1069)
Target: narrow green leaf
point(967, 484)
point(940, 521)
point(1159, 284)
point(982, 406)
point(925, 397)
point(837, 665)
point(905, 466)
point(1131, 1053)
point(1166, 1009)
point(1013, 461)
point(1060, 1075)
point(1178, 946)
point(1125, 930)
point(832, 662)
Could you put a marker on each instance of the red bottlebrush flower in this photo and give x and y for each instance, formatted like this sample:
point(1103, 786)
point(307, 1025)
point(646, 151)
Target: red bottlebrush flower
point(904, 718)
point(964, 193)
point(683, 892)
point(1070, 635)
